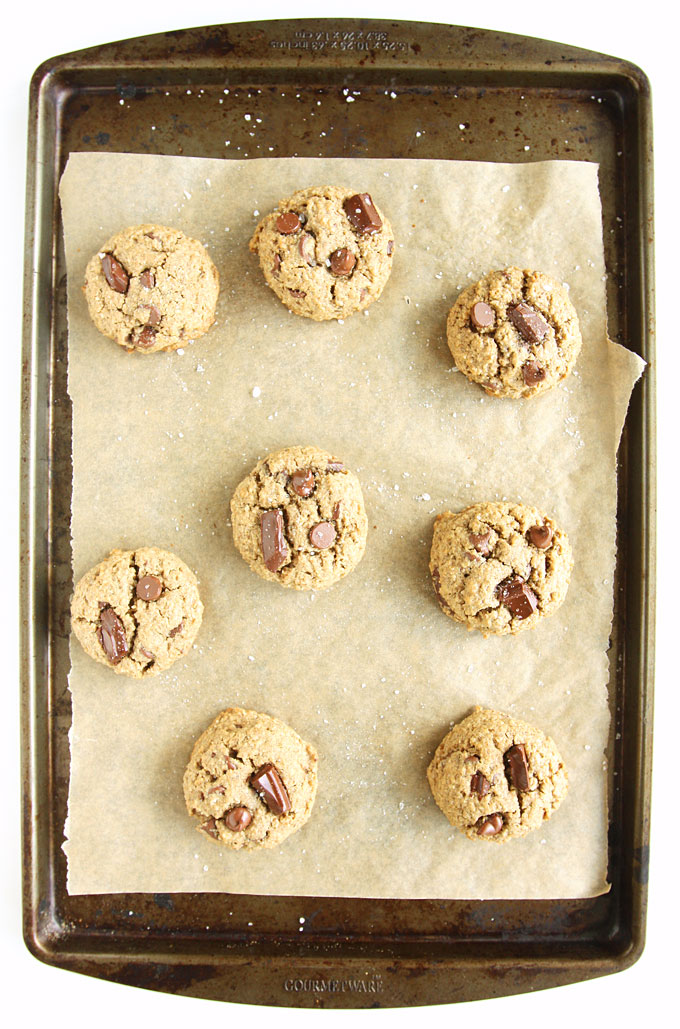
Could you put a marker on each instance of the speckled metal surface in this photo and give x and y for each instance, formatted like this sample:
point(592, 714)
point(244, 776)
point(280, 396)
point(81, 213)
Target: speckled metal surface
point(332, 88)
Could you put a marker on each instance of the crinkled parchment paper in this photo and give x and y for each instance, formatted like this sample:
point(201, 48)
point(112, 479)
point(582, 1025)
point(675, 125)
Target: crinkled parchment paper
point(370, 670)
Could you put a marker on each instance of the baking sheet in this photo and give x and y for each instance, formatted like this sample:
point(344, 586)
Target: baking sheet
point(370, 671)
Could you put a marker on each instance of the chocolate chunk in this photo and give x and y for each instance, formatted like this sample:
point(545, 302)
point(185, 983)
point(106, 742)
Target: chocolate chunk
point(267, 782)
point(390, 247)
point(303, 482)
point(146, 338)
point(111, 635)
point(436, 582)
point(147, 279)
point(482, 315)
point(274, 549)
point(362, 213)
point(342, 261)
point(519, 598)
point(335, 466)
point(154, 316)
point(238, 819)
point(517, 767)
point(147, 654)
point(337, 510)
point(533, 373)
point(114, 273)
point(216, 789)
point(491, 825)
point(299, 293)
point(307, 248)
point(322, 535)
point(480, 541)
point(541, 536)
point(288, 223)
point(479, 784)
point(210, 828)
point(149, 587)
point(178, 628)
point(277, 264)
point(531, 325)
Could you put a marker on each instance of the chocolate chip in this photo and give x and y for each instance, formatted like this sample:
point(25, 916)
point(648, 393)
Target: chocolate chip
point(238, 819)
point(154, 314)
point(146, 338)
point(299, 293)
point(288, 223)
point(216, 789)
point(390, 247)
point(277, 264)
point(274, 549)
point(114, 273)
point(362, 213)
point(491, 825)
point(337, 510)
point(178, 628)
point(335, 466)
point(322, 535)
point(149, 587)
point(519, 598)
point(147, 279)
point(533, 373)
point(480, 541)
point(479, 784)
point(267, 783)
point(210, 828)
point(303, 482)
point(307, 248)
point(436, 582)
point(147, 654)
point(541, 536)
point(482, 315)
point(531, 325)
point(111, 635)
point(342, 261)
point(517, 767)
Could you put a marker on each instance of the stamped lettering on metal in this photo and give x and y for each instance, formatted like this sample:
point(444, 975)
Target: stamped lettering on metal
point(372, 985)
point(355, 39)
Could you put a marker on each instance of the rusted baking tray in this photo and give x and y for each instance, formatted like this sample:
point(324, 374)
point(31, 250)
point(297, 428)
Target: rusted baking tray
point(479, 96)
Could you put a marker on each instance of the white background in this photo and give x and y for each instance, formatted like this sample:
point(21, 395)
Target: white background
point(648, 37)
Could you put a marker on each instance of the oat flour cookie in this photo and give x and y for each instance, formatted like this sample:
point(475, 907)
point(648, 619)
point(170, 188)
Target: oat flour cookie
point(496, 777)
point(514, 332)
point(499, 567)
point(326, 251)
point(151, 288)
point(299, 519)
point(251, 780)
point(138, 611)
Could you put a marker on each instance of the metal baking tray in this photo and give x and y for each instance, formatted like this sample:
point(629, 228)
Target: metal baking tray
point(473, 95)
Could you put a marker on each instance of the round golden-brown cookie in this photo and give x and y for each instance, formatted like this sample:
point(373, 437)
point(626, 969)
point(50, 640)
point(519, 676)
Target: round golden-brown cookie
point(499, 567)
point(138, 611)
point(497, 777)
point(299, 519)
point(152, 288)
point(515, 332)
point(325, 251)
point(251, 780)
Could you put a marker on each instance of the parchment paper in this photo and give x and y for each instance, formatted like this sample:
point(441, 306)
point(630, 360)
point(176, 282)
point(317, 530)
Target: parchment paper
point(370, 671)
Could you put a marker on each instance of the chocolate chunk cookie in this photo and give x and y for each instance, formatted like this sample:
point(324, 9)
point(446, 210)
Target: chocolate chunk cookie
point(138, 611)
point(299, 520)
point(515, 332)
point(499, 567)
point(496, 777)
point(326, 251)
point(152, 288)
point(251, 780)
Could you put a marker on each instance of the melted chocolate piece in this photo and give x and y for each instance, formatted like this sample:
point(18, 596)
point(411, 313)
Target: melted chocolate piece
point(238, 819)
point(299, 293)
point(178, 628)
point(362, 213)
point(154, 316)
point(277, 264)
point(147, 279)
point(517, 767)
point(288, 223)
point(274, 549)
point(111, 635)
point(519, 598)
point(149, 587)
point(303, 482)
point(541, 536)
point(322, 535)
point(482, 316)
point(335, 466)
point(491, 825)
point(307, 248)
point(210, 828)
point(479, 784)
point(146, 338)
point(533, 373)
point(342, 261)
point(531, 325)
point(114, 273)
point(390, 247)
point(480, 541)
point(268, 784)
